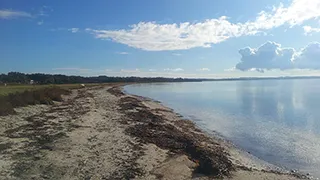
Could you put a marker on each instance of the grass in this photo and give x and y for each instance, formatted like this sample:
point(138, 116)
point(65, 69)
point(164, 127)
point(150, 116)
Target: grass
point(6, 90)
point(30, 97)
point(13, 96)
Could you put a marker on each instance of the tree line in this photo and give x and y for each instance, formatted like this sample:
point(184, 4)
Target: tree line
point(40, 78)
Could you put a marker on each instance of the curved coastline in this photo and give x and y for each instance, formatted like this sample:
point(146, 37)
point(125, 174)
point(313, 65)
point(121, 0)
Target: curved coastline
point(102, 133)
point(238, 156)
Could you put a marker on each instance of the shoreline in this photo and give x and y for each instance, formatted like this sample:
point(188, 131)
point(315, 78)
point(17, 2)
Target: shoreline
point(251, 160)
point(103, 133)
point(239, 157)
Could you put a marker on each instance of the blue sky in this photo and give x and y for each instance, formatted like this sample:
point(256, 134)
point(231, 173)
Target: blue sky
point(203, 38)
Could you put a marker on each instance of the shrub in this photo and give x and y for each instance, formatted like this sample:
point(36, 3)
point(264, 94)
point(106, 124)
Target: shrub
point(5, 107)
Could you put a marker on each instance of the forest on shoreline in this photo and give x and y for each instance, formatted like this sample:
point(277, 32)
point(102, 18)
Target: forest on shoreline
point(40, 78)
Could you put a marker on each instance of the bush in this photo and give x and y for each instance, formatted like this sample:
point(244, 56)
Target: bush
point(5, 107)
point(39, 96)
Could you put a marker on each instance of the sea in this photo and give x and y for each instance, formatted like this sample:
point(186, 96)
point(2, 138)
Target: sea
point(277, 121)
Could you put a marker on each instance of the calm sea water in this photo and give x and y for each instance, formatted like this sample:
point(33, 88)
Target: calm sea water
point(278, 121)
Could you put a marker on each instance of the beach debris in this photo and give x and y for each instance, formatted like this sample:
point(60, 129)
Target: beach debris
point(116, 91)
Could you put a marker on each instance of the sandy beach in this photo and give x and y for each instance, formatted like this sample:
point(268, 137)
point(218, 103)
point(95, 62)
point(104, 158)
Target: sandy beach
point(102, 133)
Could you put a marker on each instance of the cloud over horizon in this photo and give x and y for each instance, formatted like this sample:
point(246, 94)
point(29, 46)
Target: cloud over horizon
point(70, 69)
point(271, 55)
point(203, 69)
point(151, 36)
point(174, 70)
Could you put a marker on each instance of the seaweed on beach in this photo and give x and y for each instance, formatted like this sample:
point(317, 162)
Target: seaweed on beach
point(128, 103)
point(151, 128)
point(40, 136)
point(41, 132)
point(116, 91)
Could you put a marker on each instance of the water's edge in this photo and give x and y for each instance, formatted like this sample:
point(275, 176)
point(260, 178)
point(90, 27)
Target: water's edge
point(252, 161)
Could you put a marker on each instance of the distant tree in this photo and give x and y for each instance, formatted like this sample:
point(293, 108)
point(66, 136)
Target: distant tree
point(40, 78)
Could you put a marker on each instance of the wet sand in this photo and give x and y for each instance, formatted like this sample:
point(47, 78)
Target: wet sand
point(102, 133)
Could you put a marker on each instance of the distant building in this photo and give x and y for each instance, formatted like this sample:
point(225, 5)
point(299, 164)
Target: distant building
point(31, 82)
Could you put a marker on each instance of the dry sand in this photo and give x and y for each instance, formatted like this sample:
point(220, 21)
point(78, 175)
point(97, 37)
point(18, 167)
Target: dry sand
point(101, 133)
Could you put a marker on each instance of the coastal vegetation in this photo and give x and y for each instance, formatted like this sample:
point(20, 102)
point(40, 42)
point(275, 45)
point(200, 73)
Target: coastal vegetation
point(32, 96)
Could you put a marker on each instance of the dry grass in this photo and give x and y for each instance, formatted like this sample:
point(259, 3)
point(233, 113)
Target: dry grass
point(9, 89)
point(30, 97)
point(13, 96)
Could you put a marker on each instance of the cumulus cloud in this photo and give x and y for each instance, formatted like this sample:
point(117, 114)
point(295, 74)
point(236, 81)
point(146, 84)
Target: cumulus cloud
point(268, 56)
point(73, 30)
point(272, 56)
point(308, 30)
point(10, 14)
point(152, 36)
point(174, 70)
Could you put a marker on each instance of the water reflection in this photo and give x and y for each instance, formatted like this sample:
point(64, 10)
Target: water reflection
point(277, 101)
point(276, 120)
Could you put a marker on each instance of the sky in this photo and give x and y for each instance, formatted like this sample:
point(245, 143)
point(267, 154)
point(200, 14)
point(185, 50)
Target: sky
point(169, 38)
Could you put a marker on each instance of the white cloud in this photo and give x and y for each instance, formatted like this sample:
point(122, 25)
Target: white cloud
point(271, 56)
point(122, 53)
point(129, 70)
point(174, 70)
point(268, 56)
point(176, 54)
point(230, 69)
point(308, 30)
point(44, 11)
point(10, 14)
point(70, 69)
point(203, 69)
point(73, 30)
point(152, 70)
point(155, 37)
point(151, 36)
point(40, 23)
